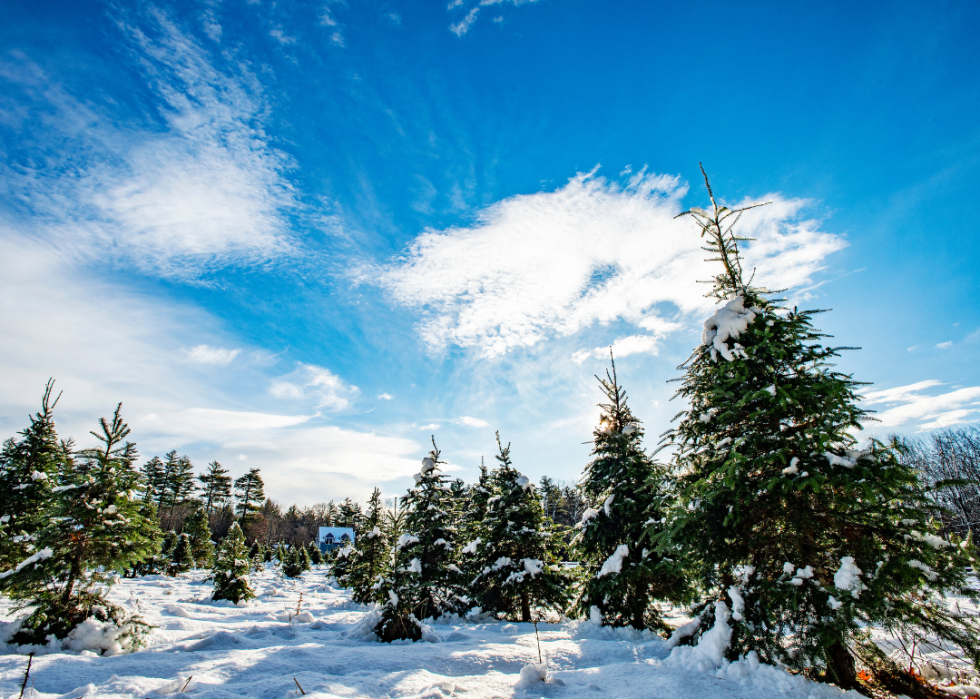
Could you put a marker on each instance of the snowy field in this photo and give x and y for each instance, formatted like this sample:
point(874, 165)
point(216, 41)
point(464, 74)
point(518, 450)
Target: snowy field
point(257, 650)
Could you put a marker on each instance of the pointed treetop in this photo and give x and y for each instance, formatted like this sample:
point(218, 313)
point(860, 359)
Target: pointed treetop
point(717, 225)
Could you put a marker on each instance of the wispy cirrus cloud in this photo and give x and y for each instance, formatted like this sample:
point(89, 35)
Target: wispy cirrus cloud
point(920, 404)
point(196, 186)
point(309, 381)
point(473, 10)
point(211, 356)
point(550, 264)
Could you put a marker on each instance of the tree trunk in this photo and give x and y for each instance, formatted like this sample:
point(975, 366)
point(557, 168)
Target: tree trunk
point(525, 607)
point(840, 666)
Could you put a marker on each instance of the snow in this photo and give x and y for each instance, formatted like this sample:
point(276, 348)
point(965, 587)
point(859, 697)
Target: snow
point(935, 541)
point(607, 504)
point(792, 468)
point(590, 512)
point(848, 577)
point(471, 547)
point(614, 563)
point(406, 540)
point(252, 652)
point(524, 482)
point(629, 429)
point(374, 533)
point(919, 565)
point(41, 555)
point(727, 323)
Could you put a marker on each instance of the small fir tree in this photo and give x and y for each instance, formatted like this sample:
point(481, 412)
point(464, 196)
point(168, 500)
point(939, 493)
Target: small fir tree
point(152, 477)
point(292, 565)
point(304, 558)
point(231, 569)
point(316, 556)
point(514, 550)
point(623, 573)
point(399, 590)
point(470, 526)
point(255, 550)
point(807, 539)
point(29, 467)
point(368, 564)
point(202, 548)
point(182, 558)
point(95, 528)
point(341, 566)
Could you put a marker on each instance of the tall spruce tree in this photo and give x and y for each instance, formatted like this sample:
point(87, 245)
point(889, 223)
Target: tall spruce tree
point(152, 472)
point(231, 568)
point(250, 492)
point(623, 573)
point(95, 527)
point(423, 580)
point(175, 488)
point(514, 548)
point(215, 487)
point(350, 515)
point(372, 554)
point(808, 539)
point(29, 468)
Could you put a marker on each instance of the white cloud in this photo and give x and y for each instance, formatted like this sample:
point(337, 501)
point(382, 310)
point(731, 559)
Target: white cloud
point(911, 405)
point(385, 396)
point(197, 188)
point(211, 356)
point(82, 332)
point(311, 381)
point(550, 264)
point(471, 421)
point(463, 25)
point(427, 428)
point(945, 345)
point(622, 347)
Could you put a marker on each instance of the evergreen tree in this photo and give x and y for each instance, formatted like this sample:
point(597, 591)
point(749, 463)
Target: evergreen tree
point(231, 569)
point(399, 590)
point(430, 546)
point(152, 472)
point(316, 556)
point(250, 492)
point(341, 567)
point(332, 516)
point(95, 526)
point(202, 549)
point(255, 550)
point(215, 487)
point(292, 565)
point(471, 525)
point(368, 564)
point(304, 558)
point(513, 547)
point(809, 539)
point(176, 486)
point(29, 467)
point(622, 570)
point(350, 515)
point(182, 558)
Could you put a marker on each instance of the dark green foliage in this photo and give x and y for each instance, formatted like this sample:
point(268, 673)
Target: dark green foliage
point(202, 549)
point(215, 487)
point(152, 472)
point(267, 554)
point(181, 558)
point(95, 527)
point(29, 468)
point(370, 559)
point(423, 580)
point(250, 492)
point(304, 558)
point(231, 581)
point(341, 566)
point(316, 556)
point(292, 564)
point(513, 549)
point(623, 573)
point(350, 515)
point(776, 503)
point(255, 550)
point(175, 487)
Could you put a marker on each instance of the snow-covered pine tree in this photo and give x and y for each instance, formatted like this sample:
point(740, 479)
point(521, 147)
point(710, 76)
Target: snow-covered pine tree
point(29, 468)
point(231, 568)
point(623, 573)
point(182, 557)
point(372, 554)
point(350, 515)
point(472, 522)
point(202, 548)
point(514, 548)
point(429, 519)
point(304, 558)
point(341, 566)
point(422, 580)
point(809, 540)
point(152, 477)
point(95, 527)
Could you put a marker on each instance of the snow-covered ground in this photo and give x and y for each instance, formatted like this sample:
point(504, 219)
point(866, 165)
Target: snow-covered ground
point(258, 650)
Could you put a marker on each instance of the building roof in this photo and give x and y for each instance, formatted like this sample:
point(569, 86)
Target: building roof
point(338, 533)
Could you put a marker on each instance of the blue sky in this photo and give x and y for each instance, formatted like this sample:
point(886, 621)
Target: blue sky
point(306, 236)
